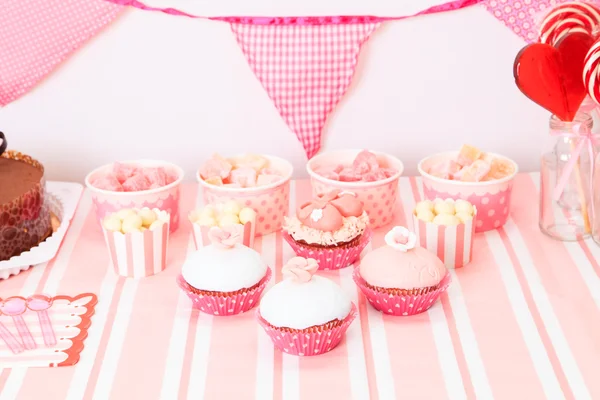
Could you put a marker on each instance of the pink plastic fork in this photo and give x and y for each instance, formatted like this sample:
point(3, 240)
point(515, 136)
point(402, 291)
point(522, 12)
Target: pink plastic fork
point(15, 307)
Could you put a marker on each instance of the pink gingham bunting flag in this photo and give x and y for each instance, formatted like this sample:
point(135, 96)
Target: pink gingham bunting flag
point(305, 69)
point(37, 35)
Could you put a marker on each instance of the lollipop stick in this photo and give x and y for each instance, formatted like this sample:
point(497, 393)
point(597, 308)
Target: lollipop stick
point(25, 333)
point(581, 193)
point(13, 344)
point(47, 331)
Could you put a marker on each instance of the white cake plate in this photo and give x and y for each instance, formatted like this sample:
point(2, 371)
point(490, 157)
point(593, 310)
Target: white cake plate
point(63, 198)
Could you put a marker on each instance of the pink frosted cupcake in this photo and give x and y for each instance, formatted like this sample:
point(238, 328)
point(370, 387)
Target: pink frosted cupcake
point(332, 228)
point(305, 314)
point(225, 277)
point(401, 278)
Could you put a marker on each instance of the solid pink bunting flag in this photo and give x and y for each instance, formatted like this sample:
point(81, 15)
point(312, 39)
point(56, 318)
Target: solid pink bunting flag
point(305, 69)
point(37, 35)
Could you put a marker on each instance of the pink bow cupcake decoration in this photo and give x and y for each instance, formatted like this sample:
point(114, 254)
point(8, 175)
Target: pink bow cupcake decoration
point(327, 211)
point(225, 237)
point(401, 239)
point(300, 269)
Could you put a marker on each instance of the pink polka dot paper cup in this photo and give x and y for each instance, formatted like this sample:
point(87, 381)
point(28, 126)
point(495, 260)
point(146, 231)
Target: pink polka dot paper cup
point(401, 304)
point(164, 198)
point(491, 198)
point(378, 198)
point(310, 341)
point(223, 303)
point(271, 202)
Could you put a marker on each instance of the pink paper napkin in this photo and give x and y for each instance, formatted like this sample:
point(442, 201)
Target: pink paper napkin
point(37, 35)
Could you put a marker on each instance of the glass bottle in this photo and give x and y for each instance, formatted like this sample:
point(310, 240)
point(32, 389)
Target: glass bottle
point(566, 215)
point(596, 201)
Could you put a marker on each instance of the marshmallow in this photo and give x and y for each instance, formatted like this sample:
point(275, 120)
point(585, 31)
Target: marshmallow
point(231, 207)
point(112, 223)
point(464, 217)
point(446, 219)
point(463, 206)
point(148, 216)
point(444, 207)
point(425, 205)
point(206, 221)
point(228, 219)
point(156, 225)
point(425, 215)
point(247, 215)
point(131, 223)
point(122, 214)
point(207, 211)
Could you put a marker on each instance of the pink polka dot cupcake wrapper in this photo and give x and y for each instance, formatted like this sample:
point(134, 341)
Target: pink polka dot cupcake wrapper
point(330, 259)
point(309, 342)
point(226, 304)
point(400, 305)
point(493, 209)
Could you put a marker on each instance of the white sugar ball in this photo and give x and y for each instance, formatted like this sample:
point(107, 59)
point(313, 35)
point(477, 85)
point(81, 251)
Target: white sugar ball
point(464, 217)
point(444, 207)
point(131, 223)
point(425, 205)
point(446, 219)
point(463, 206)
point(206, 221)
point(112, 223)
point(126, 212)
point(148, 216)
point(208, 211)
point(228, 219)
point(247, 215)
point(156, 225)
point(231, 207)
point(425, 215)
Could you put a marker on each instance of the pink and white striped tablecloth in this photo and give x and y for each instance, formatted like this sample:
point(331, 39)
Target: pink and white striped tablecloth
point(522, 321)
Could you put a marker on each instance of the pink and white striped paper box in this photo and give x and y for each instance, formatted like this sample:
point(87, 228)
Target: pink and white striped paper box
point(139, 254)
point(452, 244)
point(201, 238)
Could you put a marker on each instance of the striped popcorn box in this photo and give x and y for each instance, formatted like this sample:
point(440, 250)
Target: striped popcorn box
point(452, 244)
point(223, 214)
point(140, 253)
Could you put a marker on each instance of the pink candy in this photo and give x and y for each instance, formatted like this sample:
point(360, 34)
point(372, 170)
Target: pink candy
point(472, 165)
point(364, 168)
point(132, 178)
point(246, 171)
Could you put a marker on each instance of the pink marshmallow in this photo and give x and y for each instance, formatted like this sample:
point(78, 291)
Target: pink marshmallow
point(123, 171)
point(216, 166)
point(136, 183)
point(245, 176)
point(476, 171)
point(108, 182)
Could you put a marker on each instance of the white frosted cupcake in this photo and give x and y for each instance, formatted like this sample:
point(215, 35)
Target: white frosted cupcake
point(225, 277)
point(305, 314)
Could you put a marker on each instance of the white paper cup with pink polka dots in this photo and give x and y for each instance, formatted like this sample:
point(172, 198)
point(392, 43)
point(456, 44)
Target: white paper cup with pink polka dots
point(492, 198)
point(378, 198)
point(165, 198)
point(271, 202)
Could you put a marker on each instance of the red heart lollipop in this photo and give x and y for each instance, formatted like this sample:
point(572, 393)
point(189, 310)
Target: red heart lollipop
point(552, 76)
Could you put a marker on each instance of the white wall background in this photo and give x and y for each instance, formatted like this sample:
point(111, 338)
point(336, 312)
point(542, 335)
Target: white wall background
point(158, 86)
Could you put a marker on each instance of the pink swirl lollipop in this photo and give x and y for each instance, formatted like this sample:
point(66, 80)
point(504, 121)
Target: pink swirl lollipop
point(40, 303)
point(15, 307)
point(570, 17)
point(591, 72)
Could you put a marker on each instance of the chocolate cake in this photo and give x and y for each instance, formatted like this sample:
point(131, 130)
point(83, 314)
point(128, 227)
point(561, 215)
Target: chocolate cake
point(24, 215)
